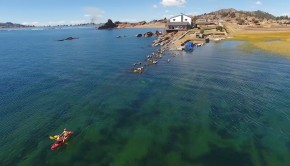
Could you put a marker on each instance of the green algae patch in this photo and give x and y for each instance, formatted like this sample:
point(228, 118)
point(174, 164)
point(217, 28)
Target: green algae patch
point(135, 149)
point(274, 42)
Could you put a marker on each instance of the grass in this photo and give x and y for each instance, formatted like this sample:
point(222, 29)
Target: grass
point(275, 42)
point(209, 28)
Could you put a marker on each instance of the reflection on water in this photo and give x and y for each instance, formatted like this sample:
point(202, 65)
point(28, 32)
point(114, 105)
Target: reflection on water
point(215, 106)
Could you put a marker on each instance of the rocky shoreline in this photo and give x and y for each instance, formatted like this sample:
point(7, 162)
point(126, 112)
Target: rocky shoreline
point(165, 43)
point(173, 41)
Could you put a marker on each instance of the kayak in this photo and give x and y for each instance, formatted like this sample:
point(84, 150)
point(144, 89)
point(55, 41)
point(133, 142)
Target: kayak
point(57, 144)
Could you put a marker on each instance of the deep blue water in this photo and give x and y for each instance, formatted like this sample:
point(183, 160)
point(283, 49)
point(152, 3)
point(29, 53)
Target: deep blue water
point(218, 105)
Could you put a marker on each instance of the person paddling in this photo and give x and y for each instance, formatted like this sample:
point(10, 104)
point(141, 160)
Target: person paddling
point(64, 134)
point(59, 138)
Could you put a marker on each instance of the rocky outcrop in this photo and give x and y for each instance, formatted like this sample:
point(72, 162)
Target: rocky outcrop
point(148, 34)
point(68, 38)
point(142, 23)
point(165, 41)
point(139, 35)
point(108, 25)
point(162, 40)
point(158, 33)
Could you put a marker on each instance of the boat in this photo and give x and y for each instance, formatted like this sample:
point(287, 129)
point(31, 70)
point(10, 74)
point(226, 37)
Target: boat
point(57, 144)
point(188, 46)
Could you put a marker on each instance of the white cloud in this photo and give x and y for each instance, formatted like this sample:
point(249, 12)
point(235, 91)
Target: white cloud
point(173, 2)
point(36, 23)
point(94, 13)
point(155, 6)
point(258, 3)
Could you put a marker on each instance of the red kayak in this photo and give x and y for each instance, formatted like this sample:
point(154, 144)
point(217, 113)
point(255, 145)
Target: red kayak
point(57, 144)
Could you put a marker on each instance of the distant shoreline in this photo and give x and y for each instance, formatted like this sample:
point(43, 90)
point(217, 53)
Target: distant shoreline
point(148, 25)
point(255, 37)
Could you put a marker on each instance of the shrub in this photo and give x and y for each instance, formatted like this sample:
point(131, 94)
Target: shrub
point(219, 28)
point(241, 21)
point(233, 15)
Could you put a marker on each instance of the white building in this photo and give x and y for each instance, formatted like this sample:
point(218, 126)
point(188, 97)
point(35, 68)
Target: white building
point(180, 22)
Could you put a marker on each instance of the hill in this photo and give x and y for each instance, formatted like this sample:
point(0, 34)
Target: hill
point(233, 14)
point(12, 25)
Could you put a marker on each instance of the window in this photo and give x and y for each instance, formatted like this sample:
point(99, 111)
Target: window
point(185, 19)
point(174, 19)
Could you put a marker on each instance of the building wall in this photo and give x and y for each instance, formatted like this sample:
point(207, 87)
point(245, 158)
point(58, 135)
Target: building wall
point(178, 19)
point(187, 19)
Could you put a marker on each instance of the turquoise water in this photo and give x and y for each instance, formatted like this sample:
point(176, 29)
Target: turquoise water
point(215, 106)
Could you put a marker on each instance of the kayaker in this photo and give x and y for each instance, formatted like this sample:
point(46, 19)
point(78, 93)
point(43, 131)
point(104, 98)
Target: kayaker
point(59, 138)
point(64, 135)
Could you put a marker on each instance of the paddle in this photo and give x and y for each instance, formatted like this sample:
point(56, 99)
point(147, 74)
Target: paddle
point(53, 137)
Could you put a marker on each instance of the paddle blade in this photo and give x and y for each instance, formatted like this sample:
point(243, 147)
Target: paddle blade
point(53, 137)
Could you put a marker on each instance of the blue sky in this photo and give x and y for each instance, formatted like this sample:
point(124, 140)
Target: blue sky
point(44, 12)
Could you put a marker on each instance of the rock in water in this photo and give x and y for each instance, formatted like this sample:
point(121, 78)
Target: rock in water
point(139, 35)
point(148, 34)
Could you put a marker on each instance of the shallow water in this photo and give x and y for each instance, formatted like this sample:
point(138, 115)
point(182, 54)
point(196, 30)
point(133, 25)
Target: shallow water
point(215, 106)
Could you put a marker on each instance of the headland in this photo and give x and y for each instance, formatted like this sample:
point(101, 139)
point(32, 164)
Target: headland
point(258, 29)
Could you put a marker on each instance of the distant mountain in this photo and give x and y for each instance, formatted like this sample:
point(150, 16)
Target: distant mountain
point(12, 25)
